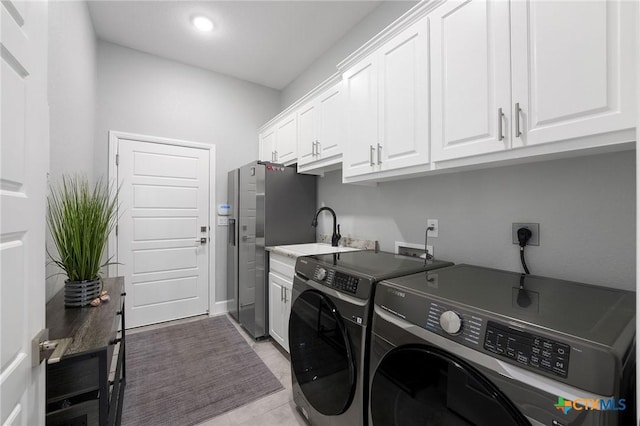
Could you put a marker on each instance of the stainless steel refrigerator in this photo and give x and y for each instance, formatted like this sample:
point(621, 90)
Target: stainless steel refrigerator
point(270, 205)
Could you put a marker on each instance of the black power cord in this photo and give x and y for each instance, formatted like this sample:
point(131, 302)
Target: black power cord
point(524, 235)
point(427, 256)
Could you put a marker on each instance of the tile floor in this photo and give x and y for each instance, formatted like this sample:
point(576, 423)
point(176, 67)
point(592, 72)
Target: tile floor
point(275, 409)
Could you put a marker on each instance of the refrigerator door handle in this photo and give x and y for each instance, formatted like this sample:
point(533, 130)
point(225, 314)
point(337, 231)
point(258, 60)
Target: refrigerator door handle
point(232, 232)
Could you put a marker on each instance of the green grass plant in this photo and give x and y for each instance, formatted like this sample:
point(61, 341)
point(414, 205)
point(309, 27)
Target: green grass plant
point(80, 217)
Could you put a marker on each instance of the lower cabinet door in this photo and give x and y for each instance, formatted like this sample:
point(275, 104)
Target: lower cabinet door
point(277, 328)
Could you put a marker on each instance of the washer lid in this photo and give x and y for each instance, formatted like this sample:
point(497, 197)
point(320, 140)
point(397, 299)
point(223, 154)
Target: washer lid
point(597, 314)
point(376, 266)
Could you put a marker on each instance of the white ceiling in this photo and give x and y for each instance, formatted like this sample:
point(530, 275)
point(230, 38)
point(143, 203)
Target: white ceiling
point(265, 42)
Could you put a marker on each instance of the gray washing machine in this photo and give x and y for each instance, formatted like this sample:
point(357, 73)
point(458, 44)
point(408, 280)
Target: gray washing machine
point(470, 345)
point(329, 330)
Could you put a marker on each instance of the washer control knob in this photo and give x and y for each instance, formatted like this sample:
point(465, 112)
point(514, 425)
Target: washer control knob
point(450, 322)
point(321, 274)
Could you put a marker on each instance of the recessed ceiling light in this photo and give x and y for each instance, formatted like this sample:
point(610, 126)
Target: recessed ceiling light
point(203, 23)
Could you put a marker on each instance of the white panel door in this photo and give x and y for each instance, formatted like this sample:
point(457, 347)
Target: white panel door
point(164, 209)
point(573, 68)
point(470, 78)
point(361, 117)
point(24, 154)
point(307, 133)
point(286, 139)
point(404, 98)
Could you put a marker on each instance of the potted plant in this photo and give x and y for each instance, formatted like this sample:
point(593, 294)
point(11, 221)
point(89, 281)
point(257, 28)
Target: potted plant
point(80, 217)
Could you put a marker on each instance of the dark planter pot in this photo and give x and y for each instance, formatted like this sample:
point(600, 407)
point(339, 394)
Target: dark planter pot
point(80, 293)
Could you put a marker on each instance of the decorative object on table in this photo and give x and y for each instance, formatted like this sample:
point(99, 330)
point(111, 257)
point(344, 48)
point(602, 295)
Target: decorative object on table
point(80, 217)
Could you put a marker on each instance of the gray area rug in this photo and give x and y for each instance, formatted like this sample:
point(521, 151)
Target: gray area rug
point(187, 373)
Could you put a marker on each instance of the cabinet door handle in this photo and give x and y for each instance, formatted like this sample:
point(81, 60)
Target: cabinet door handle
point(317, 147)
point(517, 120)
point(371, 151)
point(275, 153)
point(379, 154)
point(281, 295)
point(500, 116)
point(285, 294)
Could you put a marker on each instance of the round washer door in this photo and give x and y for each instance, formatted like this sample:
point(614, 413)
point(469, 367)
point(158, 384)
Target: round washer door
point(321, 354)
point(423, 385)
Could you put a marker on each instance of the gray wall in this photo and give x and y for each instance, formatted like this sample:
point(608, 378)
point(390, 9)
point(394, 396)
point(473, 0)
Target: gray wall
point(72, 99)
point(325, 65)
point(586, 208)
point(146, 94)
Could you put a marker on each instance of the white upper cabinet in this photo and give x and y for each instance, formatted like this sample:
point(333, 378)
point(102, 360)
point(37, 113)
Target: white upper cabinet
point(268, 144)
point(470, 89)
point(320, 130)
point(279, 141)
point(286, 139)
point(573, 68)
point(386, 103)
point(522, 73)
point(361, 110)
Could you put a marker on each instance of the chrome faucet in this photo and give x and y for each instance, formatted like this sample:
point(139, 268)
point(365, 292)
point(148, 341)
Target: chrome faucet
point(336, 228)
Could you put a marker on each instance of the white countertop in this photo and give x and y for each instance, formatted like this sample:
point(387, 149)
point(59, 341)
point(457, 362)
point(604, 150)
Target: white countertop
point(296, 250)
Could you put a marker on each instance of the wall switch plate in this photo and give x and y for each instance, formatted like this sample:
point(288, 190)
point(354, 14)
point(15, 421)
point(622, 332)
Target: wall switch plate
point(535, 233)
point(434, 223)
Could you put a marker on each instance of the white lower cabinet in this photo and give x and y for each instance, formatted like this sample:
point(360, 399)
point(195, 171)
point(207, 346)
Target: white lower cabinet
point(279, 309)
point(281, 272)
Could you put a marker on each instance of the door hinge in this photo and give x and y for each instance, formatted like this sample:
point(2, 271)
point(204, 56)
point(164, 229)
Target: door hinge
point(117, 159)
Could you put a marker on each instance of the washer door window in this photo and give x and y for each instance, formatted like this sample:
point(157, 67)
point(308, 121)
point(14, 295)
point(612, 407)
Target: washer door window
point(426, 386)
point(321, 354)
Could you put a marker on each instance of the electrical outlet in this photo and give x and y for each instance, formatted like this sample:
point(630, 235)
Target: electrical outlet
point(535, 233)
point(434, 223)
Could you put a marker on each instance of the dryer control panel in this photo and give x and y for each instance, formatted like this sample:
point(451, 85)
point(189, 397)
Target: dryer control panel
point(528, 349)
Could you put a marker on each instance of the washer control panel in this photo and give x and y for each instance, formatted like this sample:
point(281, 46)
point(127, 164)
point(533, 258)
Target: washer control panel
point(463, 327)
point(336, 280)
point(528, 349)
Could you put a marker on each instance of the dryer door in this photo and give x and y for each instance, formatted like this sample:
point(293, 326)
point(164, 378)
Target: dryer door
point(321, 354)
point(423, 385)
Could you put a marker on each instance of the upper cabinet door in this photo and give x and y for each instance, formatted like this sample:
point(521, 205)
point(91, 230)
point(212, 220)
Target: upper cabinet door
point(286, 139)
point(470, 78)
point(404, 98)
point(573, 68)
point(361, 103)
point(330, 122)
point(307, 133)
point(268, 144)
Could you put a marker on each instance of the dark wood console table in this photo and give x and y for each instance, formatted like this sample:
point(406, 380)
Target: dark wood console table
point(79, 388)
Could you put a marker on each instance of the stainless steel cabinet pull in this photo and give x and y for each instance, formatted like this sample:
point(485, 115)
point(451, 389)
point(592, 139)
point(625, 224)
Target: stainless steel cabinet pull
point(500, 116)
point(285, 294)
point(379, 154)
point(371, 150)
point(517, 120)
point(276, 155)
point(281, 294)
point(317, 147)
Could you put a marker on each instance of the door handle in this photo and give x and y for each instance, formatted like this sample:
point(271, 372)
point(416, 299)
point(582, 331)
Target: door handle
point(40, 345)
point(371, 150)
point(285, 294)
point(517, 120)
point(379, 154)
point(202, 240)
point(500, 116)
point(232, 232)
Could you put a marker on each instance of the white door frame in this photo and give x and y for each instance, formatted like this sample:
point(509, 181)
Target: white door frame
point(112, 251)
